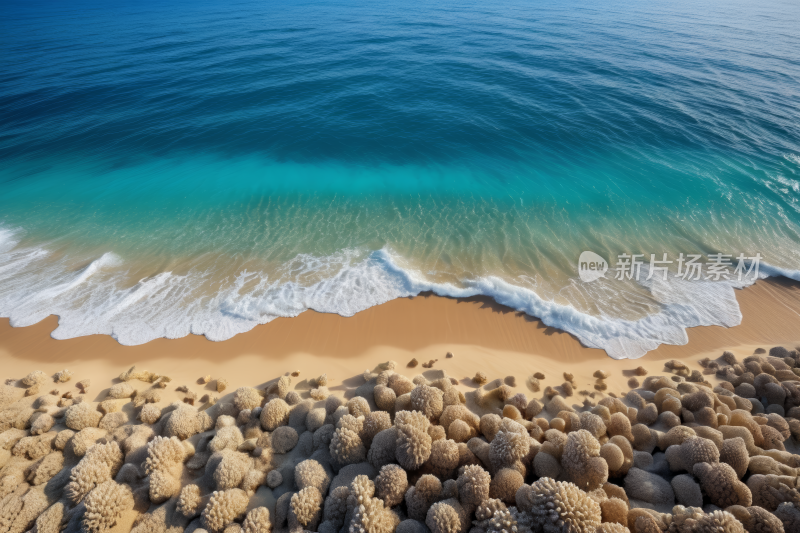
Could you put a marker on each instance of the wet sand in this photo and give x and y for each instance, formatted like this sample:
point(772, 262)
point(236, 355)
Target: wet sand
point(481, 334)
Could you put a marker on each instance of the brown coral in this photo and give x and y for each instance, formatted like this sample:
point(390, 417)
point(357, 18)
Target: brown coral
point(391, 485)
point(721, 484)
point(413, 441)
point(582, 462)
point(105, 504)
point(274, 414)
point(561, 506)
point(223, 508)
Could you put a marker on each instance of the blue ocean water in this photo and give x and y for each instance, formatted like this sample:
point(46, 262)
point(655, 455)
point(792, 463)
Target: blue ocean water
point(180, 167)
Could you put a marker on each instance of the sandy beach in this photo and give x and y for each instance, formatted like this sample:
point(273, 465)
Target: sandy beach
point(481, 334)
point(187, 492)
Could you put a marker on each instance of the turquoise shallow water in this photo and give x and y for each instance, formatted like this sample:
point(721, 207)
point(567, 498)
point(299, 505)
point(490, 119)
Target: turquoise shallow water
point(202, 167)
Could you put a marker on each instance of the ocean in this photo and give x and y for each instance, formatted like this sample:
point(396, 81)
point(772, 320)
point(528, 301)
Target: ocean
point(172, 168)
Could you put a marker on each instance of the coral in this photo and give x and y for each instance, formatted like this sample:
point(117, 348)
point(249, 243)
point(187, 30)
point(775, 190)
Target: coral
point(374, 423)
point(19, 510)
point(758, 520)
point(581, 461)
point(444, 458)
point(223, 508)
point(391, 484)
point(428, 401)
point(100, 464)
point(121, 390)
point(37, 377)
point(62, 376)
point(41, 423)
point(150, 413)
point(533, 408)
point(105, 505)
point(112, 421)
point(305, 509)
point(186, 421)
point(370, 515)
point(332, 403)
point(459, 431)
point(560, 506)
point(85, 439)
point(148, 396)
point(189, 501)
point(413, 441)
point(614, 510)
point(400, 384)
point(382, 451)
point(257, 521)
point(773, 440)
point(687, 491)
point(227, 468)
point(721, 484)
point(698, 450)
point(504, 485)
point(734, 453)
point(284, 439)
point(346, 447)
point(163, 453)
point(358, 406)
point(163, 486)
point(612, 527)
point(546, 465)
point(473, 484)
point(510, 444)
point(648, 487)
point(315, 419)
point(592, 423)
point(340, 413)
point(274, 479)
point(274, 415)
point(674, 436)
point(50, 520)
point(556, 405)
point(10, 437)
point(44, 469)
point(419, 498)
point(619, 424)
point(62, 437)
point(247, 398)
point(446, 517)
point(335, 507)
point(452, 413)
point(281, 388)
point(613, 456)
point(82, 415)
point(310, 473)
point(384, 397)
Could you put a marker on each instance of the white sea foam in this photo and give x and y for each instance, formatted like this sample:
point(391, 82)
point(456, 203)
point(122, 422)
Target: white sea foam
point(98, 298)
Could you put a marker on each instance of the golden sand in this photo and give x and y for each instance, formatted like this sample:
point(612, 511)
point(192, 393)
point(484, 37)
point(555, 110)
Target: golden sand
point(481, 334)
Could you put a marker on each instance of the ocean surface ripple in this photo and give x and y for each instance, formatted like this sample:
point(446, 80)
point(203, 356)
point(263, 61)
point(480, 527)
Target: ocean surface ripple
point(172, 168)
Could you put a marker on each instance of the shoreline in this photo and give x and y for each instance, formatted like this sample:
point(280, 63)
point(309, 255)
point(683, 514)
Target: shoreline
point(482, 334)
point(101, 406)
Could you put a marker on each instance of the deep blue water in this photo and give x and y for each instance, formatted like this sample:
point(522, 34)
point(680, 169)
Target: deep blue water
point(179, 167)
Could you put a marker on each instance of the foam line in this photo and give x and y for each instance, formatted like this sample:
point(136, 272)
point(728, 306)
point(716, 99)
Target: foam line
point(99, 298)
